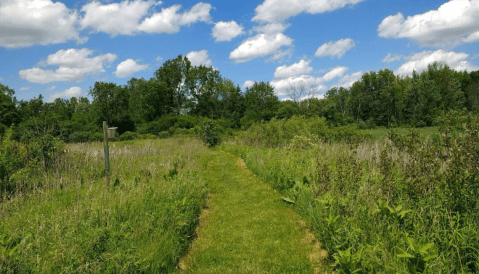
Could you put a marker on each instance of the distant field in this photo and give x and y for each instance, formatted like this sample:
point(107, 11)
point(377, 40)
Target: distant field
point(380, 134)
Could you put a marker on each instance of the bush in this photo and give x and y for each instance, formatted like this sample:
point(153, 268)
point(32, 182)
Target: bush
point(128, 136)
point(210, 133)
point(164, 134)
point(85, 136)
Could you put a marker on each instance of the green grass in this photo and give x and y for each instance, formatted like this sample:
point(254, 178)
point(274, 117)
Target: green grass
point(247, 227)
point(74, 224)
point(408, 206)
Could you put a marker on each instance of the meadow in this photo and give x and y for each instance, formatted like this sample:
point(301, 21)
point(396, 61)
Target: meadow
point(405, 203)
point(376, 201)
point(70, 222)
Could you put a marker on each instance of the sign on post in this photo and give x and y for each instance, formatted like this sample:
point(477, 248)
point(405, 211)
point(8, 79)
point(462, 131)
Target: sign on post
point(106, 135)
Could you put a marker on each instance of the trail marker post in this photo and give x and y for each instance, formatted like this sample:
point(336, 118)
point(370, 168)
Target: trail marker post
point(107, 133)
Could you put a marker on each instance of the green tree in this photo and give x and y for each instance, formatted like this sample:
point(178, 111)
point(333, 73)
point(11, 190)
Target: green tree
point(9, 113)
point(203, 86)
point(175, 73)
point(261, 103)
point(111, 103)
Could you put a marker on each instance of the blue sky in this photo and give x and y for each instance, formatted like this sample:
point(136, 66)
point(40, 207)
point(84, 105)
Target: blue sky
point(60, 48)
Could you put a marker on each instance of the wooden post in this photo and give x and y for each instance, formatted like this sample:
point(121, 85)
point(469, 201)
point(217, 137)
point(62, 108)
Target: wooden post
point(107, 156)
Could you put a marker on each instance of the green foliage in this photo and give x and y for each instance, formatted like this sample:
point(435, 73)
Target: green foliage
point(210, 133)
point(261, 103)
point(143, 224)
point(286, 131)
point(20, 160)
point(406, 205)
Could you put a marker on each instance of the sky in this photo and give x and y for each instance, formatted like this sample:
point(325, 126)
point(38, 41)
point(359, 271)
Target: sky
point(60, 48)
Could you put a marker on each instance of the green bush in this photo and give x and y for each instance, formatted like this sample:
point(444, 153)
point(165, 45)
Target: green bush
point(277, 133)
point(164, 134)
point(85, 136)
point(210, 133)
point(128, 136)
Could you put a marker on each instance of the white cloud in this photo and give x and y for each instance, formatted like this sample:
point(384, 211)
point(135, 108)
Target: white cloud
point(279, 10)
point(392, 58)
point(68, 93)
point(24, 88)
point(37, 22)
point(128, 68)
point(271, 28)
point(334, 73)
point(453, 23)
point(73, 65)
point(348, 80)
point(170, 21)
point(198, 58)
point(296, 69)
point(1, 78)
point(115, 18)
point(225, 31)
point(159, 59)
point(338, 48)
point(130, 17)
point(260, 45)
point(420, 61)
point(281, 86)
point(248, 84)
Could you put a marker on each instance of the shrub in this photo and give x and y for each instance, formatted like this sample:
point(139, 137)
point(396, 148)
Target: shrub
point(128, 136)
point(210, 133)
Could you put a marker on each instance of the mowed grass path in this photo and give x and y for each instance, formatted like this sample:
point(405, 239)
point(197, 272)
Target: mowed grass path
point(247, 228)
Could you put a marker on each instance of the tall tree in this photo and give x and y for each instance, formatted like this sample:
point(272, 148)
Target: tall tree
point(111, 104)
point(203, 86)
point(8, 111)
point(261, 103)
point(175, 73)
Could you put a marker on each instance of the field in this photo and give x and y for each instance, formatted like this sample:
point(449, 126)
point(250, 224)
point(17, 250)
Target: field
point(73, 223)
point(287, 196)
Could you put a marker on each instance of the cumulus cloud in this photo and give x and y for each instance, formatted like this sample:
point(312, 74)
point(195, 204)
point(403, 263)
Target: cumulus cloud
point(281, 86)
point(115, 18)
point(334, 73)
point(261, 45)
point(128, 68)
point(248, 84)
point(337, 48)
point(37, 22)
point(130, 17)
point(170, 21)
point(291, 76)
point(348, 80)
point(392, 58)
point(199, 58)
point(68, 93)
point(279, 10)
point(453, 23)
point(73, 65)
point(271, 28)
point(225, 31)
point(296, 69)
point(24, 88)
point(419, 61)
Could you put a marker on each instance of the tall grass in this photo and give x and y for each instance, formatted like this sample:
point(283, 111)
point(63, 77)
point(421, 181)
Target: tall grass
point(405, 205)
point(70, 222)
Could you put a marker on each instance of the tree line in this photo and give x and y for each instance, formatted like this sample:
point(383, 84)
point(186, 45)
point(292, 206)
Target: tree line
point(181, 95)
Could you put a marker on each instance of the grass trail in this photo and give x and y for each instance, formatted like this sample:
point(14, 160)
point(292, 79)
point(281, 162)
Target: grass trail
point(247, 228)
